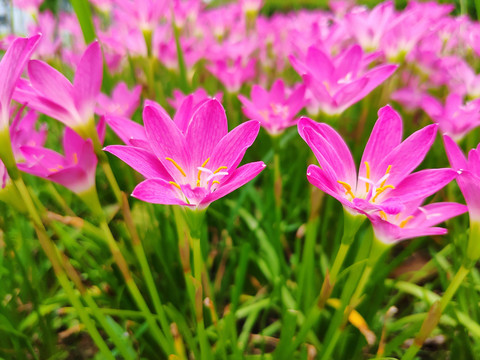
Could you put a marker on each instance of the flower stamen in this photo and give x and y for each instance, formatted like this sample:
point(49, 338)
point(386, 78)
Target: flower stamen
point(175, 184)
point(220, 168)
point(381, 190)
point(176, 165)
point(367, 169)
point(386, 172)
point(347, 187)
point(200, 171)
point(404, 222)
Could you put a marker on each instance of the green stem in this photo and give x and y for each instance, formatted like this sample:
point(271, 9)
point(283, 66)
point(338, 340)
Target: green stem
point(433, 316)
point(181, 60)
point(49, 249)
point(90, 198)
point(194, 220)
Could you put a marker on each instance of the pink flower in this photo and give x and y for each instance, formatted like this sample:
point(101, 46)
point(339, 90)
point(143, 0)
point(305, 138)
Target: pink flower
point(51, 93)
point(23, 132)
point(469, 175)
point(341, 81)
point(194, 159)
point(273, 108)
point(11, 67)
point(75, 170)
point(49, 44)
point(233, 75)
point(454, 118)
point(384, 183)
point(368, 26)
point(414, 221)
point(123, 101)
point(198, 95)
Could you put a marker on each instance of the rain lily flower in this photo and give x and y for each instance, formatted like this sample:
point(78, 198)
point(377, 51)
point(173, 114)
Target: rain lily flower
point(49, 92)
point(123, 101)
point(414, 221)
point(385, 183)
point(273, 108)
point(23, 132)
point(75, 170)
point(194, 159)
point(11, 67)
point(469, 182)
point(233, 75)
point(341, 81)
point(454, 119)
point(199, 96)
point(469, 175)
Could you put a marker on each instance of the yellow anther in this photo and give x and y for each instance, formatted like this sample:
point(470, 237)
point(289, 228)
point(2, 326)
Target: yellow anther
point(219, 169)
point(215, 182)
point(381, 190)
point(383, 215)
point(367, 169)
point(75, 158)
point(55, 169)
point(200, 171)
point(386, 172)
point(404, 222)
point(176, 165)
point(347, 187)
point(175, 184)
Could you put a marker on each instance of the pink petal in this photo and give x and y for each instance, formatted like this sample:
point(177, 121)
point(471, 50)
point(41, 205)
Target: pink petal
point(11, 67)
point(73, 178)
point(454, 154)
point(437, 213)
point(88, 80)
point(420, 184)
point(319, 64)
point(408, 155)
point(158, 191)
point(321, 179)
point(140, 160)
point(385, 136)
point(126, 129)
point(207, 127)
point(239, 177)
point(231, 148)
point(167, 141)
point(51, 84)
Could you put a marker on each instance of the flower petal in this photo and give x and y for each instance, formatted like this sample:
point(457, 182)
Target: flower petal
point(206, 128)
point(140, 160)
point(408, 155)
point(167, 141)
point(88, 80)
point(158, 191)
point(51, 84)
point(420, 185)
point(126, 129)
point(238, 178)
point(385, 136)
point(230, 149)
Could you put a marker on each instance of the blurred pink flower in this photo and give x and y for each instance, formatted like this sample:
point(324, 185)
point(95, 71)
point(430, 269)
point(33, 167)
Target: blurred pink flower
point(51, 93)
point(469, 175)
point(233, 74)
point(341, 81)
point(123, 101)
point(11, 67)
point(274, 109)
point(75, 170)
point(455, 118)
point(414, 221)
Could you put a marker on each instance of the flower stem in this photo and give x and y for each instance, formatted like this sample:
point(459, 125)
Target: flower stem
point(90, 198)
point(194, 220)
point(142, 259)
point(49, 249)
point(433, 317)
